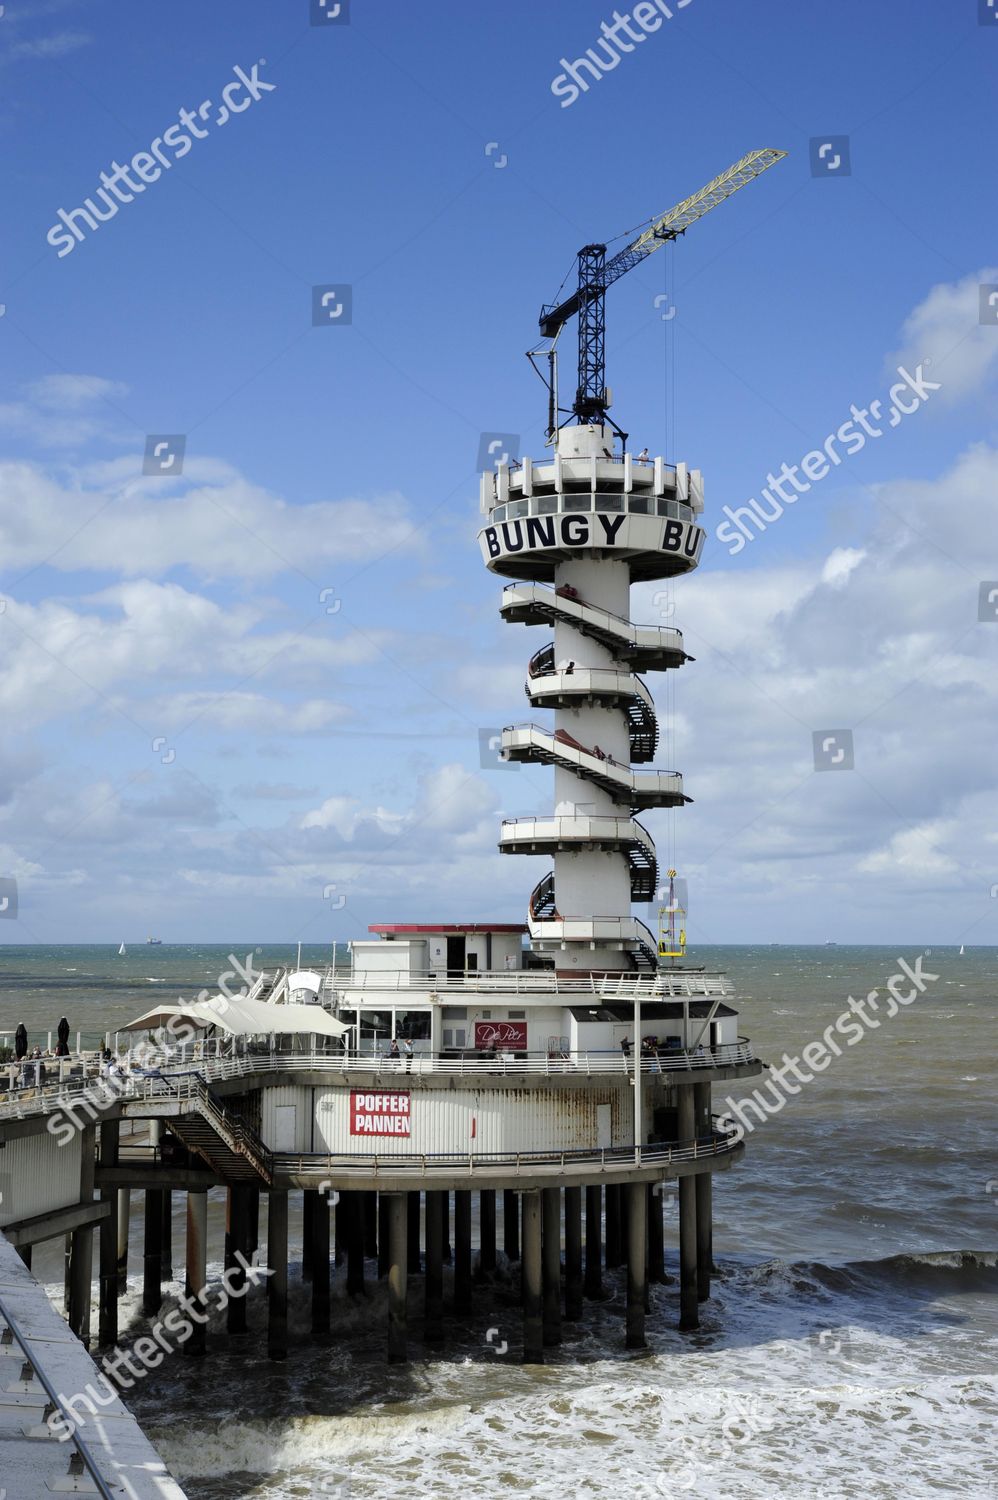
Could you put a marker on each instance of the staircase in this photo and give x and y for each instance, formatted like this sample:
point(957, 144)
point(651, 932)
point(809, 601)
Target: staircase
point(216, 1134)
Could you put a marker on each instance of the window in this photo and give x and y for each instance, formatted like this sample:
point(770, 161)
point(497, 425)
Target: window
point(639, 505)
point(609, 502)
point(499, 514)
point(455, 1038)
point(578, 502)
point(517, 508)
point(546, 504)
point(455, 1012)
point(517, 1015)
point(486, 1015)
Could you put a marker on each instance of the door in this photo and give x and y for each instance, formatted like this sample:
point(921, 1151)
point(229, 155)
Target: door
point(603, 1131)
point(455, 957)
point(286, 1127)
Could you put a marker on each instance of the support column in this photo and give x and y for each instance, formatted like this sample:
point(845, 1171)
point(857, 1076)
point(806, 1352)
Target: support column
point(197, 1265)
point(613, 1241)
point(124, 1212)
point(253, 1220)
point(487, 1231)
point(107, 1319)
point(530, 1264)
point(594, 1235)
point(689, 1316)
point(511, 1224)
point(462, 1252)
point(412, 1219)
point(433, 1306)
point(355, 1241)
point(81, 1262)
point(277, 1283)
point(705, 1196)
point(398, 1267)
point(551, 1209)
point(152, 1253)
point(573, 1253)
point(656, 1233)
point(320, 1238)
point(370, 1222)
point(308, 1198)
point(637, 1199)
point(166, 1223)
point(237, 1239)
point(384, 1261)
point(445, 1210)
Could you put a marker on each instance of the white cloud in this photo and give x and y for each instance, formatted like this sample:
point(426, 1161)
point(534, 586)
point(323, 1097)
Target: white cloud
point(946, 329)
point(212, 522)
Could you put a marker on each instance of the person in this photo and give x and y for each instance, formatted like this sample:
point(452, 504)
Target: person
point(625, 1047)
point(570, 669)
point(393, 1050)
point(407, 1048)
point(644, 457)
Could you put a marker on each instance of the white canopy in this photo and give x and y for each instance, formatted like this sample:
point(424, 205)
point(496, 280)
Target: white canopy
point(242, 1017)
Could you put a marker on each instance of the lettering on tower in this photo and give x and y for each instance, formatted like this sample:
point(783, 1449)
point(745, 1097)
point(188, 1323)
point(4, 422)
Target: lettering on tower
point(575, 532)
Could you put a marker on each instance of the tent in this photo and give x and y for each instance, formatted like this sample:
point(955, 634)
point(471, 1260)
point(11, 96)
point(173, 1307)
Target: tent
point(242, 1017)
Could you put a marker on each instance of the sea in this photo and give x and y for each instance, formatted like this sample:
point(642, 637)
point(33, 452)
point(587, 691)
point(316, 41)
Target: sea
point(849, 1348)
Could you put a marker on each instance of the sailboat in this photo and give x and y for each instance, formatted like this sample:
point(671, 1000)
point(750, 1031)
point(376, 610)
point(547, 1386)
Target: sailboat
point(961, 950)
point(121, 950)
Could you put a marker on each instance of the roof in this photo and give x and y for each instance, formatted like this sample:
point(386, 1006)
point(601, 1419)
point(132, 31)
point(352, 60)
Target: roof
point(444, 927)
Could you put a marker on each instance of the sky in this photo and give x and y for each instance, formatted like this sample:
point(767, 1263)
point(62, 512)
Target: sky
point(242, 682)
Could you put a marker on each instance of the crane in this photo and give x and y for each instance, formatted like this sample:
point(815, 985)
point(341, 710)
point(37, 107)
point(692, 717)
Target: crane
point(596, 273)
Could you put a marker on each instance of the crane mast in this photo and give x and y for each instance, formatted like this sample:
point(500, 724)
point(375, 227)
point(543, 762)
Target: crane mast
point(596, 274)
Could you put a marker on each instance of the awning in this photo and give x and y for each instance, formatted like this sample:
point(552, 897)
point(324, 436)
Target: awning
point(242, 1017)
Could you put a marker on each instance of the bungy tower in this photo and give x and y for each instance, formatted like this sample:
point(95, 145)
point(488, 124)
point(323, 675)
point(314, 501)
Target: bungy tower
point(576, 531)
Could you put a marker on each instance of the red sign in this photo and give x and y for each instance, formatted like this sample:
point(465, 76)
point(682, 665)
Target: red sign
point(505, 1036)
point(379, 1114)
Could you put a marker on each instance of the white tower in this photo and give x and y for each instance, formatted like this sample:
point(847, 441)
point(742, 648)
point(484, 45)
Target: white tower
point(576, 530)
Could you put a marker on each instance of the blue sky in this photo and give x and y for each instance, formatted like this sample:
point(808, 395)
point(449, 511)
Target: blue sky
point(227, 691)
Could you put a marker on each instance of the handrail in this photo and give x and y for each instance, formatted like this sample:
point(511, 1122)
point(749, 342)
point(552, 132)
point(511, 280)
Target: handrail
point(596, 609)
point(718, 1143)
point(57, 1403)
point(606, 761)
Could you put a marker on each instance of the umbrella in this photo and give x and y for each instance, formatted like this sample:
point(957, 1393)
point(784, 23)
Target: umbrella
point(62, 1050)
point(21, 1042)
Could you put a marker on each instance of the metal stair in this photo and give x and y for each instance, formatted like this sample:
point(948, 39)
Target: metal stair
point(217, 1134)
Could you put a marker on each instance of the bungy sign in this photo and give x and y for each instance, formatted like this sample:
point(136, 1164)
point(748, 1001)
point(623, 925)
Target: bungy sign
point(379, 1114)
point(683, 540)
point(510, 1035)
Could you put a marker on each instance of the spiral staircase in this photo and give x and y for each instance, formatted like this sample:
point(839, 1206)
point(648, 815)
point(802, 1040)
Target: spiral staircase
point(576, 533)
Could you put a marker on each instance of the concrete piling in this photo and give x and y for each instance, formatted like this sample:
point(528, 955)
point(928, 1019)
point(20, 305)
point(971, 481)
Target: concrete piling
point(124, 1206)
point(462, 1251)
point(398, 1266)
point(511, 1224)
point(152, 1253)
point(593, 1285)
point(197, 1265)
point(573, 1253)
point(614, 1251)
point(551, 1213)
point(689, 1316)
point(530, 1265)
point(107, 1318)
point(277, 1282)
point(433, 1306)
point(320, 1241)
point(487, 1231)
point(636, 1199)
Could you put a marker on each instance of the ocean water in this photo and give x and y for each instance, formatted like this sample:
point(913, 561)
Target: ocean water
point(850, 1346)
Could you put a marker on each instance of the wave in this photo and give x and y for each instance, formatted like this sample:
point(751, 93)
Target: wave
point(941, 1271)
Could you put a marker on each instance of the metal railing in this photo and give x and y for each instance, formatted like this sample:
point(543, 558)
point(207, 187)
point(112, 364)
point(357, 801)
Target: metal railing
point(57, 1403)
point(679, 983)
point(718, 1143)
